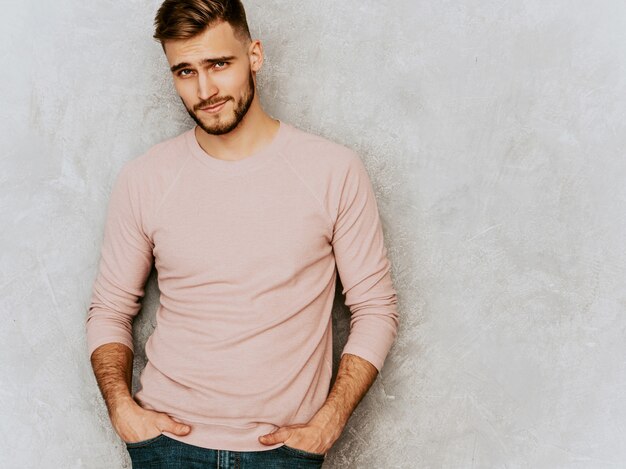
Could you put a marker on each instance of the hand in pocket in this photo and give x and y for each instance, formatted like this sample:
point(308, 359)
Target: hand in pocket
point(134, 424)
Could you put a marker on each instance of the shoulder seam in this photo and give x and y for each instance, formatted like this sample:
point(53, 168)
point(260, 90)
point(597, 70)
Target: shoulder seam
point(169, 189)
point(306, 186)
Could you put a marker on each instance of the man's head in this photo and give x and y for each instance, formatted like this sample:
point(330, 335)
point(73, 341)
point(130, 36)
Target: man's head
point(212, 57)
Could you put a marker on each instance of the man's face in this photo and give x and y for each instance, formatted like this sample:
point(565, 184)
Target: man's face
point(211, 68)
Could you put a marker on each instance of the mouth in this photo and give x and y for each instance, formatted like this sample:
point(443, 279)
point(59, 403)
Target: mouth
point(215, 108)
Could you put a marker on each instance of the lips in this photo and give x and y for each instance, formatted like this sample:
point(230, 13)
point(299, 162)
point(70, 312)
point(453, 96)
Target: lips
point(215, 107)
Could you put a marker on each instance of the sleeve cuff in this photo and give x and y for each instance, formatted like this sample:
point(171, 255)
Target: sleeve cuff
point(93, 345)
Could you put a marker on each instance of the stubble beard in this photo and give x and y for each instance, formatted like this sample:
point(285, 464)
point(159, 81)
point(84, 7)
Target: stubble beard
point(223, 126)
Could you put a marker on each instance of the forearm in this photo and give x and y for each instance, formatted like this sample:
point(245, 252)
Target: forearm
point(354, 378)
point(113, 366)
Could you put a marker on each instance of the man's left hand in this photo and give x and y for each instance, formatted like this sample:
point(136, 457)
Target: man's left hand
point(307, 437)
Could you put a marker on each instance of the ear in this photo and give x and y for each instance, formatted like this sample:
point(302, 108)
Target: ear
point(255, 53)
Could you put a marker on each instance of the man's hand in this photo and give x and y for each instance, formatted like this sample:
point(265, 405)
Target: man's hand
point(134, 423)
point(113, 366)
point(354, 378)
point(306, 437)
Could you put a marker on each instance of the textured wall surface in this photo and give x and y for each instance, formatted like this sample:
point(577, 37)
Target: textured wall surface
point(494, 132)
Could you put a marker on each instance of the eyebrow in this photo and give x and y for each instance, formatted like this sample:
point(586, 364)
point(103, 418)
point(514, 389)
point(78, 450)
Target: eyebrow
point(213, 60)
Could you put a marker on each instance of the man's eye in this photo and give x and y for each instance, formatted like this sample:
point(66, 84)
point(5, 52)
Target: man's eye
point(221, 63)
point(182, 72)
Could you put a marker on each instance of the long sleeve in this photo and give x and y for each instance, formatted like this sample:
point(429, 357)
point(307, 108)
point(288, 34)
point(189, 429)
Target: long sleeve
point(249, 254)
point(364, 269)
point(125, 262)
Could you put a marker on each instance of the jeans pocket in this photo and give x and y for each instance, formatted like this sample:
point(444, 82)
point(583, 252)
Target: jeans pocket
point(138, 444)
point(303, 453)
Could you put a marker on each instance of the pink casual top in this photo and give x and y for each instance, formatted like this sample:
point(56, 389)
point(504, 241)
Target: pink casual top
point(247, 253)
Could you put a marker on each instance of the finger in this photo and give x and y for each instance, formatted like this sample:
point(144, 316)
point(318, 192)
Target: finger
point(172, 426)
point(277, 436)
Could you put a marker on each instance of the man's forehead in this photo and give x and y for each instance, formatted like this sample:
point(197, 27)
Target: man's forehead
point(216, 41)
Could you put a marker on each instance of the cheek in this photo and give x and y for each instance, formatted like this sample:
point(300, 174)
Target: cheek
point(187, 91)
point(236, 82)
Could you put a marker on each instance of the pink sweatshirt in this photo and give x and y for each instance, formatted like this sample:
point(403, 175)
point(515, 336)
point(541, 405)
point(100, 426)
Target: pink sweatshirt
point(247, 254)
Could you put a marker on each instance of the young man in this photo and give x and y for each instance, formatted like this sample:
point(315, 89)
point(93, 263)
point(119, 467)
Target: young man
point(248, 220)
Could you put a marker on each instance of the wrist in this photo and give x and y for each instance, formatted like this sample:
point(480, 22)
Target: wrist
point(329, 421)
point(121, 405)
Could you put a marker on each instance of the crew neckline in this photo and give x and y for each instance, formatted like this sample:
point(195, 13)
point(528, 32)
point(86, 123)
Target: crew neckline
point(255, 160)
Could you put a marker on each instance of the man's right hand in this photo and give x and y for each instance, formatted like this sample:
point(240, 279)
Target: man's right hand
point(113, 366)
point(134, 423)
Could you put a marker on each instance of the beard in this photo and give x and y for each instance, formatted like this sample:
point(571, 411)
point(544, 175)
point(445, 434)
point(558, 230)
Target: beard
point(224, 124)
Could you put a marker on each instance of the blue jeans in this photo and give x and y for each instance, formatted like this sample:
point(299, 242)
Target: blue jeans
point(163, 452)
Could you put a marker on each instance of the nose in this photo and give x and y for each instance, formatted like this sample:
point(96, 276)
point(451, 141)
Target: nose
point(206, 87)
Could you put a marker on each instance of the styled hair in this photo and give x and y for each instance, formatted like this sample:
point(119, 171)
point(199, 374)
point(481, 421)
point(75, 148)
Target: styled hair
point(183, 19)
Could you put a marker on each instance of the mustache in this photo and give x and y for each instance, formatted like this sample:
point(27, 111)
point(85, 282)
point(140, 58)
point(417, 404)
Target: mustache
point(209, 103)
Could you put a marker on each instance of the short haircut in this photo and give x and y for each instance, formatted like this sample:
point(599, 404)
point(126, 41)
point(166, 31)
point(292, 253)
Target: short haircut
point(183, 19)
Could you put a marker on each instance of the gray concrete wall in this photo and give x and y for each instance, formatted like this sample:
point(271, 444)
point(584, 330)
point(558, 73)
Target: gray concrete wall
point(494, 134)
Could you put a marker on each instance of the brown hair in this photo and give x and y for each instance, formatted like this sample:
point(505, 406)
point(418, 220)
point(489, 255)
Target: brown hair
point(183, 19)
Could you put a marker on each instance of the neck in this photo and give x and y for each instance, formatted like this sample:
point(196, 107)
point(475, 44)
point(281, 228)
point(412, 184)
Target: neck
point(255, 130)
